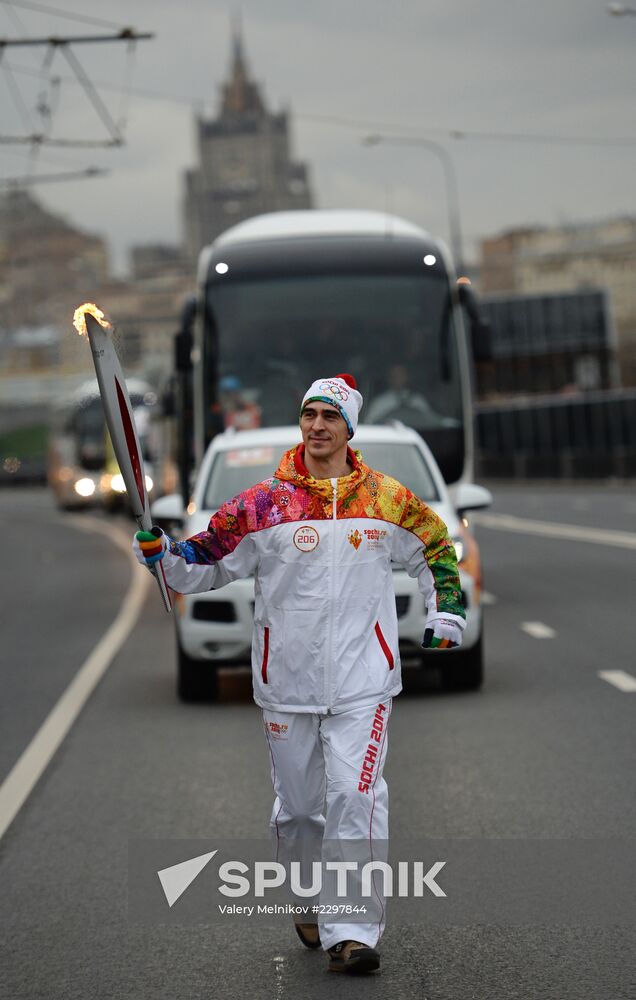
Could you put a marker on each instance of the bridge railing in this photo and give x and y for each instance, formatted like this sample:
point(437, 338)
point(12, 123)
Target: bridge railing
point(590, 435)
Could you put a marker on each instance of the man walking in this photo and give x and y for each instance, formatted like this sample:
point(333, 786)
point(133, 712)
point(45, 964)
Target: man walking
point(320, 538)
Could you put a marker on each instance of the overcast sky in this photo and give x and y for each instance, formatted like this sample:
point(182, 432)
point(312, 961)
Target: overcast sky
point(562, 68)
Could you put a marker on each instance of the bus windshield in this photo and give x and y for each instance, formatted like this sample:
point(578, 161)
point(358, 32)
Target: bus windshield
point(394, 332)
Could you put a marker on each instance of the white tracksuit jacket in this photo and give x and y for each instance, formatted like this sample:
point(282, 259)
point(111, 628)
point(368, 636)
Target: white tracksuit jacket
point(325, 624)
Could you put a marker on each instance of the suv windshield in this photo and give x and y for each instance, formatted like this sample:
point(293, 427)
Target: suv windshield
point(237, 470)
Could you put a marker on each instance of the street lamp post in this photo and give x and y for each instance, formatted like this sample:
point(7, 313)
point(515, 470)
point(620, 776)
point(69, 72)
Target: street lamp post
point(452, 193)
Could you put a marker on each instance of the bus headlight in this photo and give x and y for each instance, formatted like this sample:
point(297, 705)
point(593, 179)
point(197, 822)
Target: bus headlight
point(84, 487)
point(149, 483)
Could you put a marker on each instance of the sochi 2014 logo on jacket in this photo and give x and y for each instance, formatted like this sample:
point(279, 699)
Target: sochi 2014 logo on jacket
point(278, 730)
point(306, 538)
point(355, 538)
point(374, 537)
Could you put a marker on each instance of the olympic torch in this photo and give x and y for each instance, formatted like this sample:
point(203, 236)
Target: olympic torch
point(90, 320)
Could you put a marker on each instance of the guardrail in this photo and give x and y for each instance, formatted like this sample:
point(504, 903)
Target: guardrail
point(592, 435)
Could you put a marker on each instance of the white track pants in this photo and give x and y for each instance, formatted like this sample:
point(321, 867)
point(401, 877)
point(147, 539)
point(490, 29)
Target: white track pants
point(340, 759)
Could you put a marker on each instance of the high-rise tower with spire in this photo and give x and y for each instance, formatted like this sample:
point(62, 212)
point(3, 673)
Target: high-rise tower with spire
point(244, 161)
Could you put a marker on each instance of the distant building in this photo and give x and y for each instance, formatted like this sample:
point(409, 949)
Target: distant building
point(244, 162)
point(156, 260)
point(587, 256)
point(499, 260)
point(48, 268)
point(28, 348)
point(41, 253)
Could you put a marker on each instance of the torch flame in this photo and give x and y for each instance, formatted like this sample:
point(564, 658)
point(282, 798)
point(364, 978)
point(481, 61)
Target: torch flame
point(89, 307)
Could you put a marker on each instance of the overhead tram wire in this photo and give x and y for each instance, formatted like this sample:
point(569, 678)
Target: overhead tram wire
point(49, 92)
point(70, 175)
point(154, 95)
point(457, 134)
point(44, 107)
point(351, 123)
point(37, 139)
point(124, 102)
point(569, 140)
point(30, 179)
point(55, 161)
point(64, 43)
point(14, 91)
point(126, 34)
point(13, 16)
point(93, 95)
point(57, 12)
point(33, 155)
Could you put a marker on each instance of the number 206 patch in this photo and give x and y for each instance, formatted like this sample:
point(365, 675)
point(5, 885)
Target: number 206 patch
point(306, 538)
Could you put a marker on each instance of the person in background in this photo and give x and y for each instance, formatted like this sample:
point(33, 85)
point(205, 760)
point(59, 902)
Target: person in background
point(238, 412)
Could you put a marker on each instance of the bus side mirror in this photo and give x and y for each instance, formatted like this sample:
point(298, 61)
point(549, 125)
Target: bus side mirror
point(478, 325)
point(167, 400)
point(183, 339)
point(183, 351)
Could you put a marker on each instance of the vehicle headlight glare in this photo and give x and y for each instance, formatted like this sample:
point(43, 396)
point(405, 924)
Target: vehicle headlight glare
point(84, 487)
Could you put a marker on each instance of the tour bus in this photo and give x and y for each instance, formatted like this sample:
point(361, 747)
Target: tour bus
point(285, 297)
point(81, 467)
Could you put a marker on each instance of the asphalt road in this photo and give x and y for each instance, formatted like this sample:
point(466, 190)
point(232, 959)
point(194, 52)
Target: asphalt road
point(545, 750)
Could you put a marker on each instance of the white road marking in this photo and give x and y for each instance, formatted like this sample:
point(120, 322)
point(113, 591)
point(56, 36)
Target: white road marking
point(488, 598)
point(572, 532)
point(620, 679)
point(538, 630)
point(25, 773)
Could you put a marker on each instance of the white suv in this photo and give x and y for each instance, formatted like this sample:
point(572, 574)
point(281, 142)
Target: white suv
point(215, 628)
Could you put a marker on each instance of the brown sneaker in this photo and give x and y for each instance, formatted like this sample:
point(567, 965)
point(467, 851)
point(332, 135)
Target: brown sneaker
point(308, 934)
point(353, 957)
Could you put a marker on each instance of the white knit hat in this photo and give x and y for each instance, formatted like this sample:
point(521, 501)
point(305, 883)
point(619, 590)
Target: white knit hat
point(340, 391)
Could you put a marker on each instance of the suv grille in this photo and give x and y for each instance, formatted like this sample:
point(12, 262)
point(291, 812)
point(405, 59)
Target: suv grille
point(402, 604)
point(224, 611)
point(214, 611)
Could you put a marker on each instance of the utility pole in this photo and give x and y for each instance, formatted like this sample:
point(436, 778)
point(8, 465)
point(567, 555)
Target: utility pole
point(450, 179)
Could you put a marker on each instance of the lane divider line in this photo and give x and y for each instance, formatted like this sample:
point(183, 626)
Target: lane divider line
point(32, 763)
point(550, 529)
point(538, 630)
point(620, 679)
